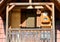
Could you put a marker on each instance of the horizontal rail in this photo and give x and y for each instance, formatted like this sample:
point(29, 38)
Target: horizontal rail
point(30, 3)
point(30, 29)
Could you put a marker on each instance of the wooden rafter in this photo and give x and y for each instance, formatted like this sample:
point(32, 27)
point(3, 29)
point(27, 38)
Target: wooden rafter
point(30, 3)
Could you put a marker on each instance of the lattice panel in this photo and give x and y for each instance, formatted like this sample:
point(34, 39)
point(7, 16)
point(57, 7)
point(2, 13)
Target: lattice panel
point(30, 36)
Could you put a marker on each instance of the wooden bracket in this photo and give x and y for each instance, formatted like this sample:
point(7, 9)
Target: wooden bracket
point(49, 7)
point(11, 7)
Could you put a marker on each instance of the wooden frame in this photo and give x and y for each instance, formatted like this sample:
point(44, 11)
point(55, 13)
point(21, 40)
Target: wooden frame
point(14, 4)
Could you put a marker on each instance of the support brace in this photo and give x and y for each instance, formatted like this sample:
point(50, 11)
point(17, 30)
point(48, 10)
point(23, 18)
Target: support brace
point(11, 7)
point(49, 7)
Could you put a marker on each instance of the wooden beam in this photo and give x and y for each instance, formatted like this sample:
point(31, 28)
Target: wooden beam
point(11, 7)
point(49, 7)
point(30, 3)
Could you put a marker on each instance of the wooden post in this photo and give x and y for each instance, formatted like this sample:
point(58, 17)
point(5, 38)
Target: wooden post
point(7, 23)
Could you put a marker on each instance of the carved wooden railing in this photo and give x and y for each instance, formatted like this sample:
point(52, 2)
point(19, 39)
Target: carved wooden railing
point(30, 35)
